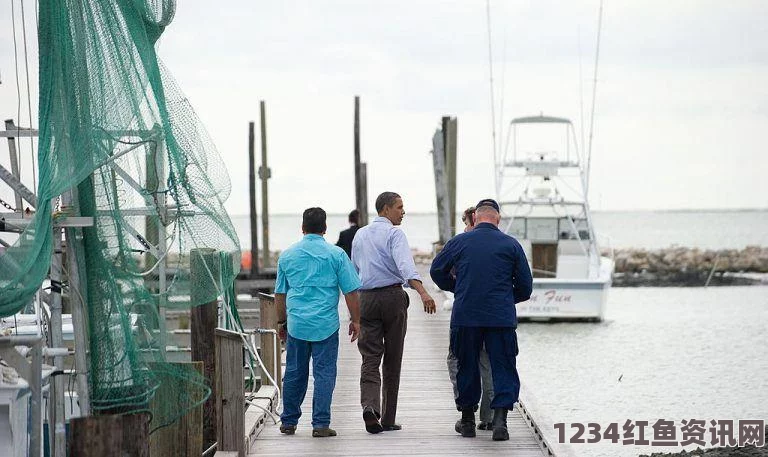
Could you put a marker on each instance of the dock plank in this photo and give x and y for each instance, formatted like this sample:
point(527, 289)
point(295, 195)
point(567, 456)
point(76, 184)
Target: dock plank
point(425, 407)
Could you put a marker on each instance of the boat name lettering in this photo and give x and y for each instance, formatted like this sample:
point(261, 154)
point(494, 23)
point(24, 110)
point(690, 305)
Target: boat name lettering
point(551, 296)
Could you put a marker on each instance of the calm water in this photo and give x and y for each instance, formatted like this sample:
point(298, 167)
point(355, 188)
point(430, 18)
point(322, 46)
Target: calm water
point(642, 229)
point(681, 353)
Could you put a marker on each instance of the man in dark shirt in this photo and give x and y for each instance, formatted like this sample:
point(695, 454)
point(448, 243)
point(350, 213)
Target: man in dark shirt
point(346, 236)
point(491, 276)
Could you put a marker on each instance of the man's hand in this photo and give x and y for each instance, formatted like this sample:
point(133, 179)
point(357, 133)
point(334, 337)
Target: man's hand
point(354, 330)
point(282, 331)
point(429, 303)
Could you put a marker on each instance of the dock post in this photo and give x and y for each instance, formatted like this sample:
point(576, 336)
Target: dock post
point(253, 212)
point(270, 354)
point(230, 387)
point(204, 274)
point(361, 182)
point(449, 141)
point(264, 174)
point(183, 438)
point(109, 434)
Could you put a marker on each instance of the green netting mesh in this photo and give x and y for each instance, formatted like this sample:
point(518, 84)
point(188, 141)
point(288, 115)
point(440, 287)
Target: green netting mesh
point(115, 127)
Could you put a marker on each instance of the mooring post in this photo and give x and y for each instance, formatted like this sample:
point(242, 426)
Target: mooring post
point(264, 174)
point(271, 347)
point(110, 434)
point(361, 185)
point(204, 291)
point(253, 212)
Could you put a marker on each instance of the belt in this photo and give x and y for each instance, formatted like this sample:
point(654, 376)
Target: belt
point(378, 289)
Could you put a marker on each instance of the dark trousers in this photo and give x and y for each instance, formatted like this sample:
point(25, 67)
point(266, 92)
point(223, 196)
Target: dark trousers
point(501, 345)
point(383, 322)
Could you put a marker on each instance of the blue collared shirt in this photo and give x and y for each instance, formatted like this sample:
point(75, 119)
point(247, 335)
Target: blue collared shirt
point(311, 272)
point(381, 255)
point(491, 275)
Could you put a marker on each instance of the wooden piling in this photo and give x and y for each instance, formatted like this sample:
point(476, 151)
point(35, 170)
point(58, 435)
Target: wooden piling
point(110, 434)
point(230, 386)
point(253, 212)
point(449, 142)
point(183, 438)
point(361, 185)
point(204, 273)
point(268, 320)
point(264, 175)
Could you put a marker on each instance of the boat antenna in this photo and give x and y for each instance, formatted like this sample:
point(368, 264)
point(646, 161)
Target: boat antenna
point(493, 102)
point(581, 94)
point(594, 93)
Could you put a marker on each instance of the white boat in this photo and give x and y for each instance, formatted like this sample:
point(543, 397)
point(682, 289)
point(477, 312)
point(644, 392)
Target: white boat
point(543, 199)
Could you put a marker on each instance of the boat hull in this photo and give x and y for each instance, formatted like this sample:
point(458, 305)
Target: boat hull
point(568, 299)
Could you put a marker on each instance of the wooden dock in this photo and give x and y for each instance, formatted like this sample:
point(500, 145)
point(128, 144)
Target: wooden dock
point(426, 408)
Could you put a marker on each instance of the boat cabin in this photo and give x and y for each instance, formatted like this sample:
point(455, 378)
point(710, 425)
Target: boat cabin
point(555, 247)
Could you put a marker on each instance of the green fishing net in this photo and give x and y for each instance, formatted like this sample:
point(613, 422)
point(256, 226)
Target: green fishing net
point(116, 129)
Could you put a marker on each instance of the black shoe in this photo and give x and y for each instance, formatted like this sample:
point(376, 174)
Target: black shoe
point(466, 425)
point(485, 425)
point(372, 424)
point(500, 432)
point(391, 427)
point(287, 429)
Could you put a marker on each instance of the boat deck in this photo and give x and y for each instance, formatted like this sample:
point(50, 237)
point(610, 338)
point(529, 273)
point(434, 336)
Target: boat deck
point(426, 408)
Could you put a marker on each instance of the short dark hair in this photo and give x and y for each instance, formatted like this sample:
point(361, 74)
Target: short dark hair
point(385, 199)
point(313, 221)
point(354, 216)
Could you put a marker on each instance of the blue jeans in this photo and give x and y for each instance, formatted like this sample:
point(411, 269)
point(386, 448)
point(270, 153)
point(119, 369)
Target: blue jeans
point(324, 355)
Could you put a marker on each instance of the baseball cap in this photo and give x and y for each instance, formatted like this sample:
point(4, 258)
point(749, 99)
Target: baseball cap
point(488, 202)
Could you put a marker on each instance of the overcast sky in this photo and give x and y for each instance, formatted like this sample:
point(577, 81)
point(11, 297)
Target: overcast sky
point(682, 99)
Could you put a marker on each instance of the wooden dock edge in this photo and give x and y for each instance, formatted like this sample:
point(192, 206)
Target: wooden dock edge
point(527, 404)
point(256, 416)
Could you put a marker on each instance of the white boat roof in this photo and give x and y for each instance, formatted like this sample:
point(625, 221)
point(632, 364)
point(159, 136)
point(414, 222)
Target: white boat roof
point(540, 119)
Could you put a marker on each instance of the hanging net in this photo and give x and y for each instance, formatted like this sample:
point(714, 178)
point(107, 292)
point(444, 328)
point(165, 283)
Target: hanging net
point(117, 131)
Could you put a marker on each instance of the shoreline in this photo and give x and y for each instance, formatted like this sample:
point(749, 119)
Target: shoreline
point(667, 267)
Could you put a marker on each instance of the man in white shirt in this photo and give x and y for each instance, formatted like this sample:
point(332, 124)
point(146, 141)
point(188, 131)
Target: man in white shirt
point(382, 257)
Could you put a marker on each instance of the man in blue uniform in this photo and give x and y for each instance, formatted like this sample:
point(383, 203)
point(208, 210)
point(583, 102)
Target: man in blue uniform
point(491, 276)
point(309, 276)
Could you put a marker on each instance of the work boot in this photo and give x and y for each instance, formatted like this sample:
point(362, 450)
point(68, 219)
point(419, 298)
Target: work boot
point(323, 432)
point(466, 426)
point(500, 432)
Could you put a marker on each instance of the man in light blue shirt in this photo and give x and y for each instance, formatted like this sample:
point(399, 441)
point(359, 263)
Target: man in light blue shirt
point(381, 255)
point(309, 276)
